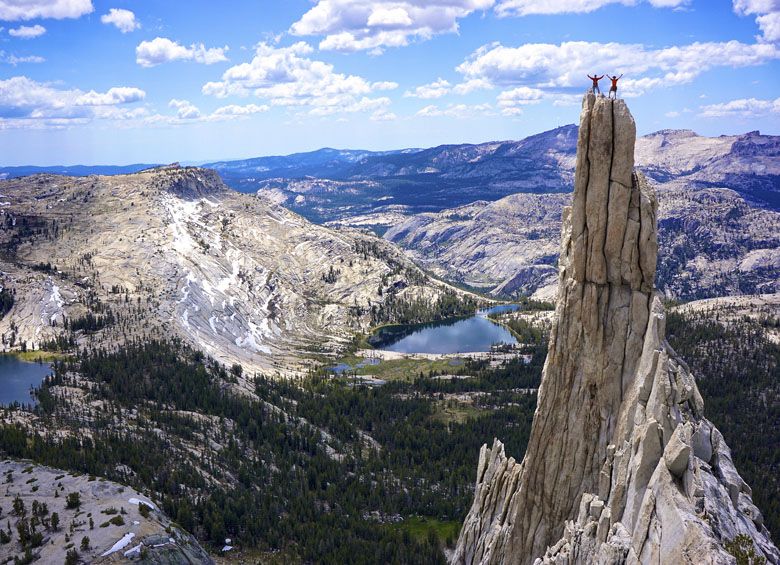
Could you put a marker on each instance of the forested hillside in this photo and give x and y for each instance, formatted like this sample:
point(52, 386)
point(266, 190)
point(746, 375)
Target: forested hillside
point(319, 470)
point(323, 469)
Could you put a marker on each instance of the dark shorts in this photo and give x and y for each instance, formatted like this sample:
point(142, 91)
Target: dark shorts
point(613, 89)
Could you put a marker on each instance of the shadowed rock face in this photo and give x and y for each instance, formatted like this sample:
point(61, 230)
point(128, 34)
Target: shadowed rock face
point(621, 466)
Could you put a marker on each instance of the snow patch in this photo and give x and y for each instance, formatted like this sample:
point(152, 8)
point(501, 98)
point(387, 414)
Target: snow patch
point(133, 551)
point(121, 544)
point(56, 297)
point(181, 212)
point(138, 501)
point(253, 338)
point(186, 290)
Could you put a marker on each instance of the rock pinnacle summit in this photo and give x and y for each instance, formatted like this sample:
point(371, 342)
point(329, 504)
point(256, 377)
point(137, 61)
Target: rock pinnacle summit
point(621, 466)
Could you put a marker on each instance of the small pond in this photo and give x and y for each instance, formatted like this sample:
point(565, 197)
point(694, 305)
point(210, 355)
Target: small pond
point(17, 377)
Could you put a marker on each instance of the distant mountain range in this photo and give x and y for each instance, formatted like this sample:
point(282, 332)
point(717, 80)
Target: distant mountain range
point(712, 243)
point(346, 186)
point(332, 185)
point(326, 162)
point(488, 215)
point(719, 223)
point(73, 170)
point(343, 185)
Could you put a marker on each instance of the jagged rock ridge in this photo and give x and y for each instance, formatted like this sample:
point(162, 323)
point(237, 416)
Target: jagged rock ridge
point(621, 465)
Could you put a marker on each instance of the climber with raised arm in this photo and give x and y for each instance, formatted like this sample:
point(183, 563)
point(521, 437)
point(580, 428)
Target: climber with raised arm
point(613, 88)
point(596, 80)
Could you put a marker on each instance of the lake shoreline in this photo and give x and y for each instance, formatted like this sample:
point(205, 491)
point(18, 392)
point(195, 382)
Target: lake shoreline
point(20, 378)
point(457, 335)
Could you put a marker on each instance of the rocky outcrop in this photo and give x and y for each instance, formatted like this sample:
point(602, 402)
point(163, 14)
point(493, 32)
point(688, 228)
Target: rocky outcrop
point(120, 524)
point(621, 465)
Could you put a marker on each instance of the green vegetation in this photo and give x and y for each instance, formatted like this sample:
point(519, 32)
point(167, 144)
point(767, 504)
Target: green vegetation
point(73, 500)
point(421, 528)
point(38, 356)
point(743, 550)
point(116, 521)
point(399, 369)
point(282, 487)
point(405, 310)
point(6, 301)
point(523, 330)
point(90, 322)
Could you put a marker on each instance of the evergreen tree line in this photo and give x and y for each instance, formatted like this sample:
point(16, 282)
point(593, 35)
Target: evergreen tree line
point(278, 486)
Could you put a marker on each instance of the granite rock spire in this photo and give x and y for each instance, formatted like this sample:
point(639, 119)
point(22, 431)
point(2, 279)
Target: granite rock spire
point(621, 465)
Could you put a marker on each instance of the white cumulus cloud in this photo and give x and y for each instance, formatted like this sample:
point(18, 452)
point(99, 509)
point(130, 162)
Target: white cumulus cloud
point(28, 103)
point(456, 111)
point(113, 96)
point(743, 108)
point(471, 85)
point(27, 32)
point(751, 7)
point(555, 67)
point(383, 116)
point(356, 25)
point(512, 101)
point(124, 20)
point(435, 89)
point(185, 110)
point(236, 110)
point(13, 10)
point(389, 17)
point(767, 14)
point(546, 7)
point(14, 60)
point(163, 50)
point(286, 76)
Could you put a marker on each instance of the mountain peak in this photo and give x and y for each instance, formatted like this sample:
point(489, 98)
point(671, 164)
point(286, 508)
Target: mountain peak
point(674, 133)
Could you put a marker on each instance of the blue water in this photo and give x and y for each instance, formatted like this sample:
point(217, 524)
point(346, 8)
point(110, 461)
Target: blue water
point(468, 335)
point(16, 378)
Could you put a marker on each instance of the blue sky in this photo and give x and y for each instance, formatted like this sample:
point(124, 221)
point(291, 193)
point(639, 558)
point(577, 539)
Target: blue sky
point(134, 81)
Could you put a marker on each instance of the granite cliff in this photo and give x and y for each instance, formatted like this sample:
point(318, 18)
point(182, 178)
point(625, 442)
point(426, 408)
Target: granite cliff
point(621, 466)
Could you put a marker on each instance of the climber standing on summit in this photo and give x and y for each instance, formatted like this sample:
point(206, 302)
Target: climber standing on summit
point(613, 88)
point(596, 80)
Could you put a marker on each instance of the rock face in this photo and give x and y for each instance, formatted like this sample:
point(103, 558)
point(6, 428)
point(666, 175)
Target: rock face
point(512, 243)
point(621, 466)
